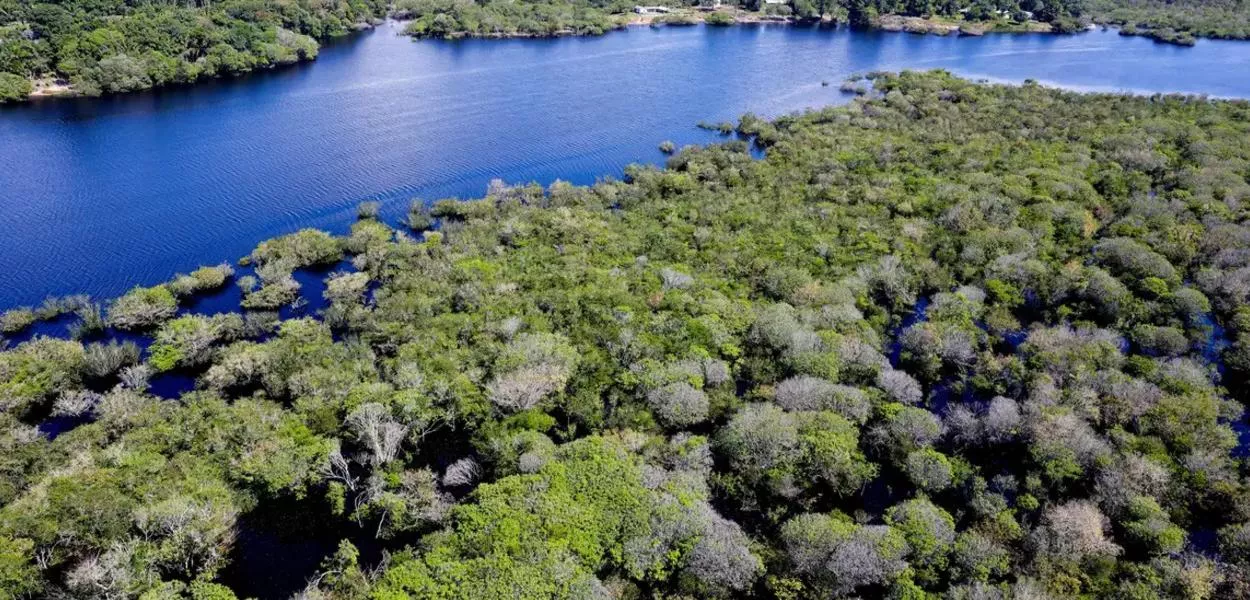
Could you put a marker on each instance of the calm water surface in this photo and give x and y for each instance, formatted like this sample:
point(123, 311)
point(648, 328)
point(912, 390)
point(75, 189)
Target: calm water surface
point(100, 195)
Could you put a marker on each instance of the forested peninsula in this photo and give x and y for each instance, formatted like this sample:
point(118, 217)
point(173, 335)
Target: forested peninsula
point(112, 46)
point(950, 340)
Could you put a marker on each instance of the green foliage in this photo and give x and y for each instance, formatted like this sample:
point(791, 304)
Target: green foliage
point(452, 18)
point(16, 319)
point(1150, 527)
point(304, 248)
point(188, 341)
point(201, 280)
point(13, 88)
point(19, 577)
point(142, 308)
point(37, 370)
point(947, 340)
point(114, 47)
point(1176, 23)
point(544, 535)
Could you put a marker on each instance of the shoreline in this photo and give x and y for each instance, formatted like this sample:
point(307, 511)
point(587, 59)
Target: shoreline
point(56, 87)
point(685, 17)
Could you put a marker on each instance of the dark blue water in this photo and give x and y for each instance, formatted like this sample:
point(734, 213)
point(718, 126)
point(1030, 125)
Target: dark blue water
point(99, 195)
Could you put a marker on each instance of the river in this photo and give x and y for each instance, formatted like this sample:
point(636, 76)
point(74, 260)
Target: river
point(98, 195)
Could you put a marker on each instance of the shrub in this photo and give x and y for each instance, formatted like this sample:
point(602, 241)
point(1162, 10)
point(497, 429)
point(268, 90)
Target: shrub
point(90, 322)
point(978, 557)
point(120, 73)
point(672, 279)
point(273, 294)
point(141, 308)
point(368, 210)
point(16, 319)
point(678, 404)
point(531, 367)
point(900, 386)
point(188, 341)
point(14, 88)
point(526, 387)
point(812, 393)
point(929, 470)
point(346, 287)
point(462, 472)
point(1149, 527)
point(1125, 256)
point(758, 439)
point(105, 360)
point(839, 556)
point(201, 280)
point(419, 218)
point(721, 559)
point(304, 248)
point(38, 370)
point(1160, 341)
point(377, 431)
point(1073, 531)
point(930, 534)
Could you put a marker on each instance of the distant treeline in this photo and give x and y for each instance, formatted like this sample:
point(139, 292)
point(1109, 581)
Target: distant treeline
point(459, 18)
point(115, 46)
point(1177, 22)
point(112, 46)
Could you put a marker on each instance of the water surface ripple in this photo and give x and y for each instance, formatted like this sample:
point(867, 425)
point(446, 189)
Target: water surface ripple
point(100, 195)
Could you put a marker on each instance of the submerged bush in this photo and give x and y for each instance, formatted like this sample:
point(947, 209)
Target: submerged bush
point(201, 280)
point(304, 248)
point(103, 360)
point(142, 308)
point(16, 319)
point(419, 218)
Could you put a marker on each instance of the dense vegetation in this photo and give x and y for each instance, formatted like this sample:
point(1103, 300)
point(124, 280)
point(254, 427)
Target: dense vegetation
point(504, 18)
point(949, 340)
point(456, 18)
point(1174, 22)
point(113, 46)
point(1064, 15)
point(1177, 22)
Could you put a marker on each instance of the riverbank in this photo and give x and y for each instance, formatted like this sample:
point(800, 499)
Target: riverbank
point(129, 74)
point(940, 26)
point(1174, 23)
point(729, 16)
point(51, 87)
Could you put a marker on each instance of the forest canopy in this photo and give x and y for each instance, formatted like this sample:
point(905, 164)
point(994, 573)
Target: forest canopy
point(1173, 22)
point(948, 340)
point(1177, 22)
point(113, 46)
